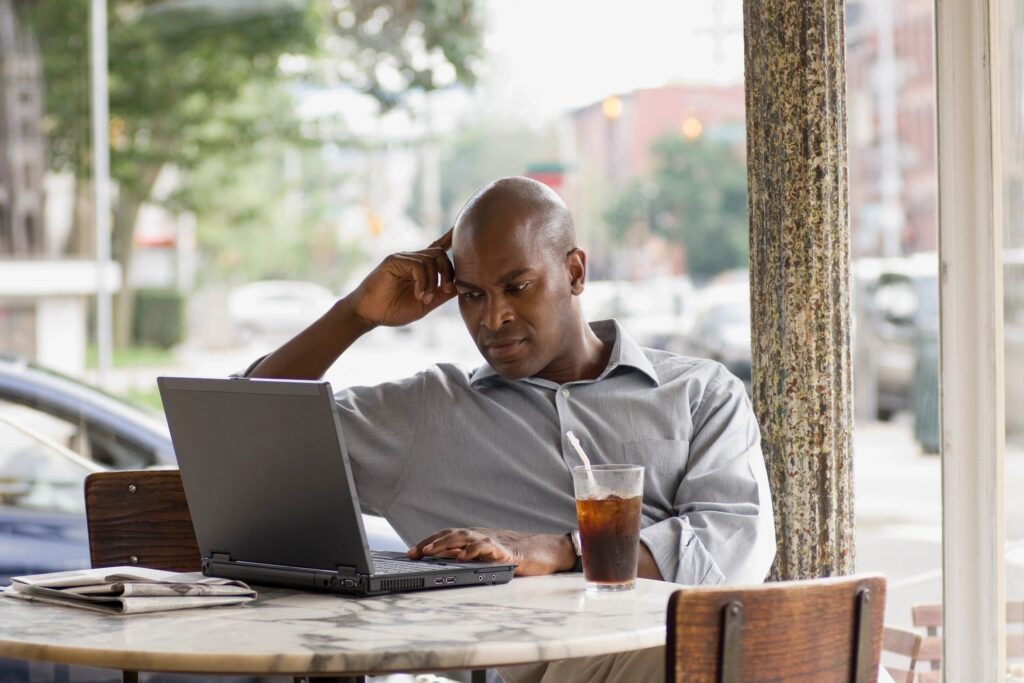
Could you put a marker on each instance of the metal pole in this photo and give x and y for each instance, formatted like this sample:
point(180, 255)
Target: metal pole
point(101, 184)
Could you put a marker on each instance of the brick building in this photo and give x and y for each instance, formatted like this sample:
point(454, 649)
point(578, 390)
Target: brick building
point(890, 71)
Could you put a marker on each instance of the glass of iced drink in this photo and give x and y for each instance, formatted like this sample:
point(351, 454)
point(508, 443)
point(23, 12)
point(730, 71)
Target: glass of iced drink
point(608, 499)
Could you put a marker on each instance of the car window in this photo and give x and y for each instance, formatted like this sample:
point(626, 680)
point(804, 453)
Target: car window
point(38, 475)
point(90, 441)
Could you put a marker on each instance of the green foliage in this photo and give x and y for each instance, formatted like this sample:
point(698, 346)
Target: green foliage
point(173, 75)
point(159, 318)
point(697, 196)
point(203, 87)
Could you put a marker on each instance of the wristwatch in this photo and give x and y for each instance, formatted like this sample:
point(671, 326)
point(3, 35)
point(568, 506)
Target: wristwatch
point(574, 538)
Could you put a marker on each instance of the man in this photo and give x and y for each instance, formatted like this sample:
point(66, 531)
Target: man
point(476, 466)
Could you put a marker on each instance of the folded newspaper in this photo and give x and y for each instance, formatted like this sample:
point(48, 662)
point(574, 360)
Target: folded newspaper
point(129, 590)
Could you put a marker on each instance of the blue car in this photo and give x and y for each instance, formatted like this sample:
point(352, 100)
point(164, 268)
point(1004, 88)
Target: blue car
point(42, 511)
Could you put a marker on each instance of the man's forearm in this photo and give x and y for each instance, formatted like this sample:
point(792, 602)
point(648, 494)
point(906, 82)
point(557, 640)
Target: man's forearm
point(646, 567)
point(311, 352)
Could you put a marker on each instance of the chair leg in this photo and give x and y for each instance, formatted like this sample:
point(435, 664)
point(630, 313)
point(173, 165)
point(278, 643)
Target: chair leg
point(129, 677)
point(479, 676)
point(61, 673)
point(329, 679)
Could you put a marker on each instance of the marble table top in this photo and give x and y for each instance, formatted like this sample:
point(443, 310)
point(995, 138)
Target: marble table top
point(291, 632)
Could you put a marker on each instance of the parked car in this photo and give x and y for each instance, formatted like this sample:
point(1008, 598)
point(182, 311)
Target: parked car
point(276, 307)
point(900, 309)
point(657, 312)
point(722, 333)
point(94, 424)
point(54, 431)
point(42, 521)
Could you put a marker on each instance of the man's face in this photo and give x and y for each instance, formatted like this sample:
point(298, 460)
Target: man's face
point(516, 299)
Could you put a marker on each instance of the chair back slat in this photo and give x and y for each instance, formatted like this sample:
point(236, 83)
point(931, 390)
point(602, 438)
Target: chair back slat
point(927, 616)
point(931, 649)
point(140, 518)
point(906, 644)
point(1015, 612)
point(799, 631)
point(1015, 646)
point(900, 675)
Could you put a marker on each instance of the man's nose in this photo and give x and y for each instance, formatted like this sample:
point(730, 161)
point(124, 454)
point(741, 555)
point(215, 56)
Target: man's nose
point(498, 312)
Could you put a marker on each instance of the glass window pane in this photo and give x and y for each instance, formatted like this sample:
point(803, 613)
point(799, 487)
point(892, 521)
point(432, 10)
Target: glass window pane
point(893, 214)
point(37, 476)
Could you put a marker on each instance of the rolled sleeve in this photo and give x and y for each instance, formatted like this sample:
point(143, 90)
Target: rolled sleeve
point(724, 530)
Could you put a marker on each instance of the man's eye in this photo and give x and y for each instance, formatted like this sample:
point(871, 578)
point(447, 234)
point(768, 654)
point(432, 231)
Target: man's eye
point(469, 296)
point(518, 287)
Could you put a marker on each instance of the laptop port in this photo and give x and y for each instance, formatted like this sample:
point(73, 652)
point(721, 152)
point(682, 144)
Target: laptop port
point(439, 579)
point(449, 579)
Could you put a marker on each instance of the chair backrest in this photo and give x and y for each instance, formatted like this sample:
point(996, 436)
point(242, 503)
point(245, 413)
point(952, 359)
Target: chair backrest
point(929, 617)
point(817, 631)
point(140, 518)
point(906, 644)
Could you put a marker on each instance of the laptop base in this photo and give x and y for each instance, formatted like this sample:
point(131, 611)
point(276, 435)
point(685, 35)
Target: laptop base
point(346, 582)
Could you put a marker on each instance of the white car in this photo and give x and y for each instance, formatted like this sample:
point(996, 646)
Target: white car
point(276, 307)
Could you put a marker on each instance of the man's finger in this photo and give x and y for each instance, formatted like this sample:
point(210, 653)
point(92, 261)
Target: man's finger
point(484, 549)
point(444, 241)
point(456, 540)
point(417, 549)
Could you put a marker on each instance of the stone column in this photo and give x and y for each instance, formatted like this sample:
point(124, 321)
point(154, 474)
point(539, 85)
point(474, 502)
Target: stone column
point(799, 277)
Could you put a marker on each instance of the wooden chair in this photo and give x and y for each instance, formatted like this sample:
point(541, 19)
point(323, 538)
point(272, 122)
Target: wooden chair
point(142, 518)
point(818, 631)
point(929, 617)
point(906, 644)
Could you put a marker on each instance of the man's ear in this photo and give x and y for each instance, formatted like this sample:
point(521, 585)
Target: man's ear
point(576, 265)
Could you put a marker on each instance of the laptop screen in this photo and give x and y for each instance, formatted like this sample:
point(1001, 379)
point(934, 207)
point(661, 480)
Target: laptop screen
point(265, 471)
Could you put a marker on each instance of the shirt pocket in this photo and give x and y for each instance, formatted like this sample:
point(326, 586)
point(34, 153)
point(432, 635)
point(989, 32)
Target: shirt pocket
point(664, 462)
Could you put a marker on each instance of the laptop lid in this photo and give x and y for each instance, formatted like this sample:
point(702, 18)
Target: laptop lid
point(265, 471)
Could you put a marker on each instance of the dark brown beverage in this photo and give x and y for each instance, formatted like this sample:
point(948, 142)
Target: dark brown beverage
point(610, 536)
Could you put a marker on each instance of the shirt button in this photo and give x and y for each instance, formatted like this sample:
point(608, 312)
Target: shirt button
point(565, 392)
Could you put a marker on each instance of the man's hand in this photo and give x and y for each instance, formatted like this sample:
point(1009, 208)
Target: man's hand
point(406, 286)
point(534, 554)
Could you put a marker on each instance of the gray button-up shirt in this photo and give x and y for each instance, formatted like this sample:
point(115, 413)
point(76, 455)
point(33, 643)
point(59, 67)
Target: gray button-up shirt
point(449, 449)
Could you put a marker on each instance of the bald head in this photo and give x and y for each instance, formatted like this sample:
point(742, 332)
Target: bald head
point(517, 208)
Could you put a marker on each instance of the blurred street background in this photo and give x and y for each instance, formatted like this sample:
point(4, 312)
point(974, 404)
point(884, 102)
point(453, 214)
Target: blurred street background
point(265, 155)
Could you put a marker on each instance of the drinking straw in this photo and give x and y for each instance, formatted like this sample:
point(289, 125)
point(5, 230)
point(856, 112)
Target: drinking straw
point(575, 443)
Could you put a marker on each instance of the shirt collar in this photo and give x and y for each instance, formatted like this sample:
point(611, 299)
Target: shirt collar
point(625, 353)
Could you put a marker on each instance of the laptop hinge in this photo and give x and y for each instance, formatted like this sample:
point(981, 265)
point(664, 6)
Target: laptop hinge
point(344, 570)
point(220, 557)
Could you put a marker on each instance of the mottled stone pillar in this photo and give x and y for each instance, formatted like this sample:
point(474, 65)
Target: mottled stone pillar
point(799, 277)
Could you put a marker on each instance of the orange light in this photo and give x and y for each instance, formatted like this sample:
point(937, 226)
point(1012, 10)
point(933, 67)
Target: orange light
point(612, 107)
point(692, 128)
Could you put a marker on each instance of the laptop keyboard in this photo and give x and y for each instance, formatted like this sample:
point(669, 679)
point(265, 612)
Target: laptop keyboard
point(385, 566)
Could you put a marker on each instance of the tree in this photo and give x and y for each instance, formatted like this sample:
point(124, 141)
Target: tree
point(696, 196)
point(177, 69)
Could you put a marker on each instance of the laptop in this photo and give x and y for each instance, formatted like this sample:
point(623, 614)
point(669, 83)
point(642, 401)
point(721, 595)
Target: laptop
point(270, 489)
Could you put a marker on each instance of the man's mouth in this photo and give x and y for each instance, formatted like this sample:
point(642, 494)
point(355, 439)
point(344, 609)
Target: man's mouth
point(504, 350)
